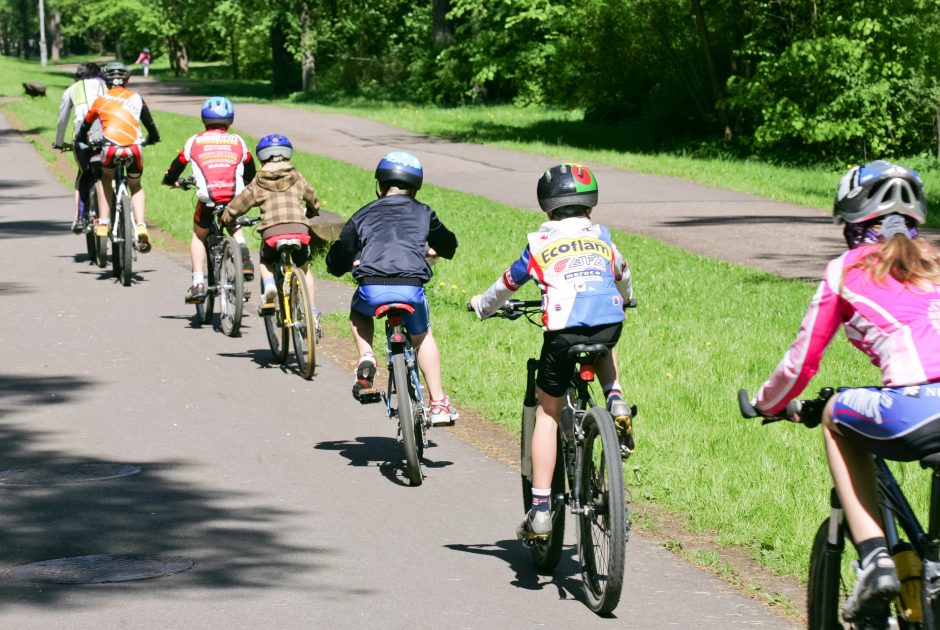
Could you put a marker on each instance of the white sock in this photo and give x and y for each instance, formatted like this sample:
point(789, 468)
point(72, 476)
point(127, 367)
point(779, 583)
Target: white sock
point(198, 277)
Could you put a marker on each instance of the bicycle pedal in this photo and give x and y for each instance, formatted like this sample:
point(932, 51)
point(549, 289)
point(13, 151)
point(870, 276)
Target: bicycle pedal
point(368, 397)
point(265, 311)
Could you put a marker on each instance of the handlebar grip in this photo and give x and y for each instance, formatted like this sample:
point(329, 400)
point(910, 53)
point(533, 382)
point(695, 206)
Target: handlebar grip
point(744, 403)
point(631, 303)
point(793, 408)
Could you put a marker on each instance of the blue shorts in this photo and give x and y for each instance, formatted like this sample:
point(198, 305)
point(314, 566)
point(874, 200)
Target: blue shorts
point(901, 423)
point(369, 297)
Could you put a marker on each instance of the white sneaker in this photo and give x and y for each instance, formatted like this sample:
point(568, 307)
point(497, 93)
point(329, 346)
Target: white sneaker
point(443, 412)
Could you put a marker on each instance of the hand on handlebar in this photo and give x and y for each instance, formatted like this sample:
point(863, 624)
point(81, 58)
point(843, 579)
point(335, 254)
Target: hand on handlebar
point(805, 412)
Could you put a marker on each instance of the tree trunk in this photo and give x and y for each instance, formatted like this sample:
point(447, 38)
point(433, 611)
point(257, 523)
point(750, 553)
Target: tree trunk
point(308, 72)
point(182, 58)
point(24, 29)
point(717, 92)
point(441, 27)
point(43, 51)
point(55, 31)
point(233, 51)
point(280, 57)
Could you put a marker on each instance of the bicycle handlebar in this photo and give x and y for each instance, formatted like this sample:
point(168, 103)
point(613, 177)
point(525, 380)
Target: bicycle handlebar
point(806, 412)
point(514, 309)
point(186, 183)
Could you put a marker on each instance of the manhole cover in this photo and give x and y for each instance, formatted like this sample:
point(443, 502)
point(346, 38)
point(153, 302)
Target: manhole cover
point(65, 474)
point(98, 569)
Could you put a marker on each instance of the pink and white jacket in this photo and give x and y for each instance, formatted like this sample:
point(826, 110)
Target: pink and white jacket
point(897, 327)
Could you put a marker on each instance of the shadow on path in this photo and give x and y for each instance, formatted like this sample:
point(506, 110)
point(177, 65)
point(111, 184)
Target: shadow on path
point(385, 453)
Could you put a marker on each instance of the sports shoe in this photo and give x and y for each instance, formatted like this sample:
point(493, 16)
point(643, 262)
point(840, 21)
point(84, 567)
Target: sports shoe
point(623, 413)
point(101, 229)
point(76, 226)
point(248, 268)
point(316, 322)
point(443, 412)
point(876, 585)
point(143, 237)
point(270, 297)
point(196, 294)
point(363, 389)
point(537, 525)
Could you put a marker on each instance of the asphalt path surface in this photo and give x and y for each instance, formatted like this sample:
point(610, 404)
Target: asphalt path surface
point(785, 239)
point(285, 494)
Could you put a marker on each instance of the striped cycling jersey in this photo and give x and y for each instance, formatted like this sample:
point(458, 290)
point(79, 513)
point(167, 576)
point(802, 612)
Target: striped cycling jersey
point(218, 159)
point(897, 327)
point(583, 278)
point(119, 112)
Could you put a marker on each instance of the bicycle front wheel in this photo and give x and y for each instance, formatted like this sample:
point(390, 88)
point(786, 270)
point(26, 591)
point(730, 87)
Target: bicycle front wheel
point(602, 525)
point(406, 415)
point(127, 234)
point(231, 288)
point(304, 327)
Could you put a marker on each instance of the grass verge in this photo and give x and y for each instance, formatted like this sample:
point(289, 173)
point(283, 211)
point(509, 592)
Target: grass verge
point(703, 329)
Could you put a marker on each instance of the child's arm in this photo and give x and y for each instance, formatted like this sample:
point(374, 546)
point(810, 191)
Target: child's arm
point(311, 201)
point(176, 169)
point(440, 239)
point(343, 252)
point(623, 277)
point(242, 203)
point(65, 108)
point(490, 300)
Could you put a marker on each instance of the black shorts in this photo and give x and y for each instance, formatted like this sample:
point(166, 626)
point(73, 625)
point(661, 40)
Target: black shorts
point(555, 368)
point(299, 257)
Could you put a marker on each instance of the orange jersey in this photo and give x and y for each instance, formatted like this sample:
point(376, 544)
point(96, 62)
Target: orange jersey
point(119, 111)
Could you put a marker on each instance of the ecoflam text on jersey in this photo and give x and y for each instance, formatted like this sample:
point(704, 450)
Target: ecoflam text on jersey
point(568, 246)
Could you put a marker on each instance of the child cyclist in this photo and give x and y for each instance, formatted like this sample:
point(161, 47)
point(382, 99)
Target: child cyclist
point(885, 292)
point(384, 244)
point(287, 204)
point(585, 285)
point(222, 166)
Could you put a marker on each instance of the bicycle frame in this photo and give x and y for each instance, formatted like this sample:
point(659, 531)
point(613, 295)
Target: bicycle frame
point(283, 273)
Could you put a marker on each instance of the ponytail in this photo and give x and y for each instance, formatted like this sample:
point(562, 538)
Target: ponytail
point(912, 262)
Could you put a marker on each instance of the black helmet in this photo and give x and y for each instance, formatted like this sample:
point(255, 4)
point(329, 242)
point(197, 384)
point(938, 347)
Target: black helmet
point(567, 185)
point(116, 73)
point(400, 167)
point(877, 189)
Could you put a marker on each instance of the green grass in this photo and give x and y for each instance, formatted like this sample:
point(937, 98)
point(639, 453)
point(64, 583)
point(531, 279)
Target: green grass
point(704, 328)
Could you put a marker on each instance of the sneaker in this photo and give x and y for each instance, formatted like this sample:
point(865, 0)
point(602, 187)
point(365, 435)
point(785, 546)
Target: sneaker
point(623, 414)
point(248, 268)
point(316, 321)
point(76, 226)
point(196, 294)
point(443, 412)
point(101, 229)
point(143, 237)
point(270, 297)
point(363, 389)
point(537, 525)
point(876, 585)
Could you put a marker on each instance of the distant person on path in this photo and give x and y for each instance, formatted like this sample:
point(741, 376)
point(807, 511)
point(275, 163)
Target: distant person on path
point(287, 204)
point(885, 292)
point(385, 245)
point(586, 285)
point(222, 167)
point(121, 113)
point(144, 60)
point(77, 99)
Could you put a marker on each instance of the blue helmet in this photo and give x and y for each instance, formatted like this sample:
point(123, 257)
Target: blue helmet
point(217, 110)
point(274, 145)
point(400, 167)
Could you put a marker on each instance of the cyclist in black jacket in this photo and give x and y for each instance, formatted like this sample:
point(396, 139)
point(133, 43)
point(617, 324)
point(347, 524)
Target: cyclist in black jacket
point(387, 245)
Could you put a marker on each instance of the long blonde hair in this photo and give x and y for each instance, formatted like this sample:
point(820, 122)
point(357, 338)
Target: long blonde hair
point(910, 261)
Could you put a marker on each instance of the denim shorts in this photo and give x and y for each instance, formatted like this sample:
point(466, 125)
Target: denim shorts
point(898, 423)
point(369, 297)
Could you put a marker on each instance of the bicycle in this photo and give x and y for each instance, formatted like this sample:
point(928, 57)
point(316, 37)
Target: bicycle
point(404, 398)
point(918, 564)
point(292, 313)
point(588, 476)
point(123, 229)
point(224, 276)
point(89, 218)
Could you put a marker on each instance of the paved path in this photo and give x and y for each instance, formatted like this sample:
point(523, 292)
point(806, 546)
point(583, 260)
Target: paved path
point(789, 240)
point(285, 493)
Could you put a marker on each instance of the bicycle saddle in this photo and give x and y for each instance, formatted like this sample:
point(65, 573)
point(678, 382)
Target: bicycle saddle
point(931, 461)
point(587, 351)
point(403, 309)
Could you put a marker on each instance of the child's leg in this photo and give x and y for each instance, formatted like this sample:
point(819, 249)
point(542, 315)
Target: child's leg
point(308, 276)
point(544, 439)
point(608, 373)
point(429, 360)
point(197, 250)
point(363, 330)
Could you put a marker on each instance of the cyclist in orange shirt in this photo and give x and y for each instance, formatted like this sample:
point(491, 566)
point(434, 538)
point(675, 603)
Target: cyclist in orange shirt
point(121, 113)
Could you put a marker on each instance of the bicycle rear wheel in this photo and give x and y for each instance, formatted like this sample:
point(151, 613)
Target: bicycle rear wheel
point(547, 555)
point(91, 241)
point(602, 529)
point(406, 415)
point(231, 288)
point(304, 328)
point(127, 234)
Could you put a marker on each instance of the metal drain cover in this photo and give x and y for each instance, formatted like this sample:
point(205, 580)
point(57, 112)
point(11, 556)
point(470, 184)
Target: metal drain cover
point(98, 569)
point(65, 474)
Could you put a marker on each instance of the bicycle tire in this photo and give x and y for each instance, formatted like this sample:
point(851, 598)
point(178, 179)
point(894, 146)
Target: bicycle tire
point(418, 409)
point(117, 246)
point(406, 419)
point(824, 591)
point(127, 233)
point(91, 241)
point(304, 327)
point(547, 556)
point(275, 330)
point(231, 288)
point(602, 531)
